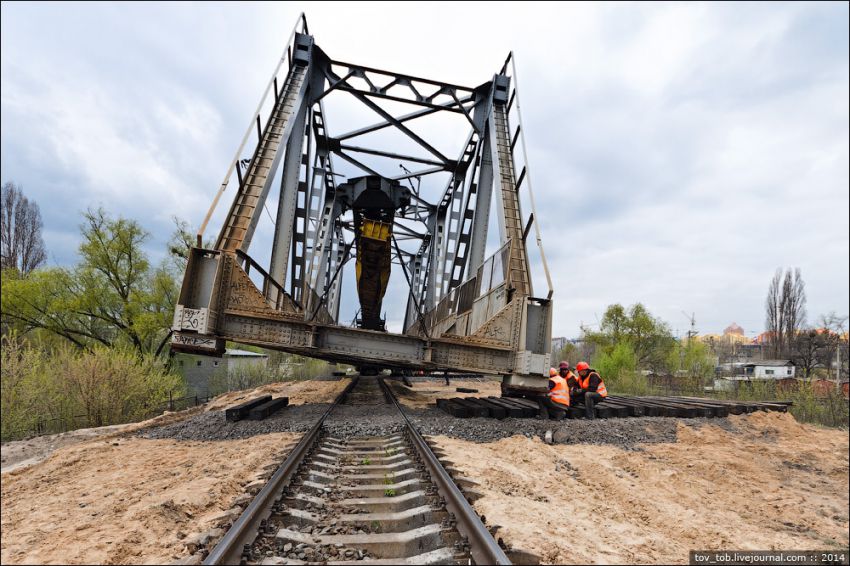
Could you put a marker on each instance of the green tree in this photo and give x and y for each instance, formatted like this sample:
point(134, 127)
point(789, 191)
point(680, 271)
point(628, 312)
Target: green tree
point(648, 337)
point(693, 358)
point(46, 391)
point(618, 366)
point(112, 297)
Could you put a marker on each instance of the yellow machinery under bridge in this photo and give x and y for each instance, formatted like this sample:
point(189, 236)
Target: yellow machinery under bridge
point(406, 206)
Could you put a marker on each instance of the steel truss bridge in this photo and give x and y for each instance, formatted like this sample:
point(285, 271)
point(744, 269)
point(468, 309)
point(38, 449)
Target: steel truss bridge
point(465, 311)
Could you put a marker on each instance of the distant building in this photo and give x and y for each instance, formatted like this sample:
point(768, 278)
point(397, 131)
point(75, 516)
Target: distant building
point(558, 343)
point(824, 387)
point(199, 369)
point(733, 329)
point(738, 373)
point(750, 351)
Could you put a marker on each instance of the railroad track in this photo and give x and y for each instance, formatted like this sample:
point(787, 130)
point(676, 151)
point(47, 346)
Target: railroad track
point(376, 498)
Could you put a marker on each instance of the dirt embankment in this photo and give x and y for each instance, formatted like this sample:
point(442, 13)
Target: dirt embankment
point(126, 501)
point(21, 453)
point(109, 496)
point(751, 482)
point(757, 482)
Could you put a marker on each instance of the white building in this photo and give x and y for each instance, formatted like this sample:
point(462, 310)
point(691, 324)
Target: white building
point(239, 359)
point(769, 369)
point(762, 371)
point(198, 369)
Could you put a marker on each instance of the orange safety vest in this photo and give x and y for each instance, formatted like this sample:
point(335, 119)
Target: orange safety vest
point(585, 383)
point(571, 375)
point(559, 393)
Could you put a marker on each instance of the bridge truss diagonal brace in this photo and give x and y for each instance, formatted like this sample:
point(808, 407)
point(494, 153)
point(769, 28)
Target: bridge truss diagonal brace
point(244, 214)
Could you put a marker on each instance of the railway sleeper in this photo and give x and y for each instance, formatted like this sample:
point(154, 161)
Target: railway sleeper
point(439, 556)
point(386, 522)
point(364, 501)
point(379, 545)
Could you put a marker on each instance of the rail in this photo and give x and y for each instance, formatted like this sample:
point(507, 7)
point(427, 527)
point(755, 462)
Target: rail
point(484, 549)
point(239, 538)
point(244, 530)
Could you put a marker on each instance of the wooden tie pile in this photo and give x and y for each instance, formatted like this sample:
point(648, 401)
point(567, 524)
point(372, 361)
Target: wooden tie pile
point(256, 409)
point(614, 406)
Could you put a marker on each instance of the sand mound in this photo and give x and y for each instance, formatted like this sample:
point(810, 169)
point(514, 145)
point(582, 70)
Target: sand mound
point(762, 481)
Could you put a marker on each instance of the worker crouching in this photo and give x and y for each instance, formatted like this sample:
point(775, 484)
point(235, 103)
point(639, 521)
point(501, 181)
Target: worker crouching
point(557, 402)
point(590, 388)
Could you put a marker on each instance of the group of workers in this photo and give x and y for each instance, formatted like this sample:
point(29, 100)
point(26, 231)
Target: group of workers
point(566, 388)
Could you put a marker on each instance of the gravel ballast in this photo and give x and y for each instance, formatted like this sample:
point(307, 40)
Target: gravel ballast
point(351, 420)
point(212, 425)
point(623, 432)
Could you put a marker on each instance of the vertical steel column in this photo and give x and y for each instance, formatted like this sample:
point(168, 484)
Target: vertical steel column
point(436, 226)
point(322, 252)
point(481, 220)
point(451, 235)
point(414, 267)
point(335, 258)
point(284, 226)
point(496, 167)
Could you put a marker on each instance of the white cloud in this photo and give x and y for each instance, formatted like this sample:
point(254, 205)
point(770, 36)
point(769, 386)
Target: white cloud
point(679, 152)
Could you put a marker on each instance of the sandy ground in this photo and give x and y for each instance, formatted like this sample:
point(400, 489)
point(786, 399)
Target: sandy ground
point(761, 481)
point(299, 392)
point(104, 496)
point(127, 501)
point(425, 394)
point(751, 482)
point(21, 453)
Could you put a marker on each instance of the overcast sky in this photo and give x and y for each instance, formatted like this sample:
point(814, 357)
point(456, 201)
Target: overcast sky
point(680, 153)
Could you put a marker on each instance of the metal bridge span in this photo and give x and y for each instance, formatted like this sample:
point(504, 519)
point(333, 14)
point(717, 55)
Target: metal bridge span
point(465, 311)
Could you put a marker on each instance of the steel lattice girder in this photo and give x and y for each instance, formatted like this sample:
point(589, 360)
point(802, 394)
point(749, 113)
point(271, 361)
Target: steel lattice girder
point(464, 312)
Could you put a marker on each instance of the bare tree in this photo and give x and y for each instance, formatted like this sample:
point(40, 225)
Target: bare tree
point(773, 323)
point(21, 244)
point(809, 347)
point(794, 295)
point(834, 331)
point(785, 311)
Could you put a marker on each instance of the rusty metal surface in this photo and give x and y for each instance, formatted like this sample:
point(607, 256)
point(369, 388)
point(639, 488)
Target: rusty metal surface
point(464, 312)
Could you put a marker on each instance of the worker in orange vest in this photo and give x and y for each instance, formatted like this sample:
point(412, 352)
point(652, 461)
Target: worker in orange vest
point(564, 371)
point(557, 401)
point(590, 388)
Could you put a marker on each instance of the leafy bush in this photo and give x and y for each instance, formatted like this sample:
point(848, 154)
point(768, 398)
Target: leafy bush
point(618, 368)
point(828, 409)
point(79, 388)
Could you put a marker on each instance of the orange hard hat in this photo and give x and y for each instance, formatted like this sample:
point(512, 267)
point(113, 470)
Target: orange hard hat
point(553, 372)
point(581, 366)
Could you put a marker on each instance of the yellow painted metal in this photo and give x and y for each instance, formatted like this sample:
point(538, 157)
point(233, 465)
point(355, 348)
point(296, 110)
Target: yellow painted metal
point(376, 230)
point(373, 251)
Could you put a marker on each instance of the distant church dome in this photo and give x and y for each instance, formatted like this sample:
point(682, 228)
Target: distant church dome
point(734, 329)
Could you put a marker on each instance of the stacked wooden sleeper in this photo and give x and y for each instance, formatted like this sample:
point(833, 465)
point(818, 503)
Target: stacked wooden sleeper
point(614, 406)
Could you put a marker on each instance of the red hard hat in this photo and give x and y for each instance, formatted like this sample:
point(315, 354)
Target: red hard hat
point(553, 372)
point(564, 365)
point(581, 366)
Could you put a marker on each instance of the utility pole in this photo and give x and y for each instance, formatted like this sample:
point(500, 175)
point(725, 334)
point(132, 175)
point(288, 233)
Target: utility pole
point(692, 331)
